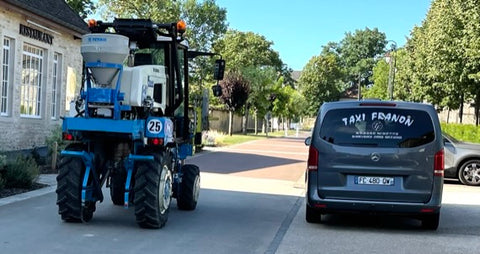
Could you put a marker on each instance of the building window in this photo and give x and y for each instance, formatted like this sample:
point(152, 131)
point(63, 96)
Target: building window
point(56, 79)
point(6, 79)
point(31, 87)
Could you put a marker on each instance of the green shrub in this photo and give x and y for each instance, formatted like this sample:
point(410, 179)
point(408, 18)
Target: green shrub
point(55, 137)
point(212, 138)
point(463, 132)
point(21, 173)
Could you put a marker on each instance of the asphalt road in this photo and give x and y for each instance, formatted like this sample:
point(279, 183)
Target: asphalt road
point(251, 202)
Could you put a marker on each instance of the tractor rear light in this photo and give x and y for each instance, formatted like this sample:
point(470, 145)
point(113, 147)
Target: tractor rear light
point(67, 136)
point(312, 163)
point(439, 163)
point(155, 141)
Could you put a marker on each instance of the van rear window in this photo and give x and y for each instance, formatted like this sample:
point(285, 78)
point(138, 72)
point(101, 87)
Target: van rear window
point(377, 127)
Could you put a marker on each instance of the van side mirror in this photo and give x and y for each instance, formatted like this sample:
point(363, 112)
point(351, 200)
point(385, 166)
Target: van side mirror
point(308, 141)
point(219, 69)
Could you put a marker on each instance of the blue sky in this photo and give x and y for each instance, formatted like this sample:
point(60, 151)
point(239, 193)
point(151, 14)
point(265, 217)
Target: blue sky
point(299, 28)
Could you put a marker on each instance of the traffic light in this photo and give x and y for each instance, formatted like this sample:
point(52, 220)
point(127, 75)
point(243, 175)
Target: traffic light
point(217, 90)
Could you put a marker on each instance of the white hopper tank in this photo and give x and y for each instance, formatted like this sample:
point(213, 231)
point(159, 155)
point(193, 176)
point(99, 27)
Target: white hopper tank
point(105, 48)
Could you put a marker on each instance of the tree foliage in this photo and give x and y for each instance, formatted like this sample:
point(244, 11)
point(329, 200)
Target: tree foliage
point(380, 82)
point(319, 81)
point(359, 52)
point(206, 22)
point(403, 89)
point(82, 7)
point(245, 49)
point(162, 11)
point(261, 82)
point(444, 54)
point(235, 90)
point(341, 66)
point(288, 102)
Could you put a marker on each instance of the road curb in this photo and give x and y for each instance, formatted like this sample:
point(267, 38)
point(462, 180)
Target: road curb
point(47, 179)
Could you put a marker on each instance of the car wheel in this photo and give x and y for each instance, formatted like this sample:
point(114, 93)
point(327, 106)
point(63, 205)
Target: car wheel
point(469, 173)
point(312, 216)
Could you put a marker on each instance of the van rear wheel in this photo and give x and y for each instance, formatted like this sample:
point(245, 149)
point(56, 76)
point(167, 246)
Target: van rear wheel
point(312, 216)
point(431, 221)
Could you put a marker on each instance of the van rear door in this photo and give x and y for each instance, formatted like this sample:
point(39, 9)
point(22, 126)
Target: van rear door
point(377, 154)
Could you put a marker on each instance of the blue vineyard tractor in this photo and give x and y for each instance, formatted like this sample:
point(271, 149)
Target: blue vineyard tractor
point(131, 130)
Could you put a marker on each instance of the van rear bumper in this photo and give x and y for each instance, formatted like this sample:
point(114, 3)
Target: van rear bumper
point(329, 205)
point(326, 206)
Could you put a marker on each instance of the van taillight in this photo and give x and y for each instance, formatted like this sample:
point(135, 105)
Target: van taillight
point(438, 165)
point(312, 163)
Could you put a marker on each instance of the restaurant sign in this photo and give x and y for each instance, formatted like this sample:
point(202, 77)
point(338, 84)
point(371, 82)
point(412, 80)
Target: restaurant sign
point(36, 34)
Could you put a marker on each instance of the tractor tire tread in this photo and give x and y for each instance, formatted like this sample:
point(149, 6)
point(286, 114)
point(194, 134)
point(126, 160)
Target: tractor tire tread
point(185, 196)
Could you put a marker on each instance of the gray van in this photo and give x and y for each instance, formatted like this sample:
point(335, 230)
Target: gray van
point(376, 157)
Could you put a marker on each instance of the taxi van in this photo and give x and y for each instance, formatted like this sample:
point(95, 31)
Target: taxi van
point(376, 157)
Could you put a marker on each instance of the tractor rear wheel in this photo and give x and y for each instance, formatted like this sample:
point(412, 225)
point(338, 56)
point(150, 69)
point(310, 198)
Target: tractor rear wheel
point(188, 188)
point(69, 188)
point(153, 190)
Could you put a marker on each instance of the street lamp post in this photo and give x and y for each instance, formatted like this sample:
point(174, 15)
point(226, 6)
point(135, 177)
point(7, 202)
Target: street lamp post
point(390, 59)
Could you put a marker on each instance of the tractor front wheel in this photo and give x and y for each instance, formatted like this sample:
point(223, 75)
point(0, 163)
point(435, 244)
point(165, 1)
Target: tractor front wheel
point(189, 188)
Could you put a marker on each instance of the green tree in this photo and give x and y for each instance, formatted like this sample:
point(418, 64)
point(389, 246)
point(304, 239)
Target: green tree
point(380, 82)
point(296, 104)
point(261, 81)
point(82, 7)
point(444, 59)
point(468, 13)
point(319, 81)
point(206, 22)
point(244, 49)
point(252, 55)
point(162, 11)
point(401, 81)
point(288, 103)
point(359, 53)
point(445, 54)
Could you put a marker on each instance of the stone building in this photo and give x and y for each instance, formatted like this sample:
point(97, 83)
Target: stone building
point(41, 68)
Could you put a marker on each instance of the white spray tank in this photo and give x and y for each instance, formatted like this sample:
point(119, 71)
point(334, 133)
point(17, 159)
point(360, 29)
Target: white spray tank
point(105, 48)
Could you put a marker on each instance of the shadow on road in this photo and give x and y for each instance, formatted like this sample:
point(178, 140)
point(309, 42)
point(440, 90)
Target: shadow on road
point(227, 162)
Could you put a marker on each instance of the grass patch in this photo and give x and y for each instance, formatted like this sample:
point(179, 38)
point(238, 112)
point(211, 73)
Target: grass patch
point(238, 138)
point(214, 138)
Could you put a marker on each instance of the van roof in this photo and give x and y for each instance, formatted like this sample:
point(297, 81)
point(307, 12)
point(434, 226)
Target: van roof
point(377, 103)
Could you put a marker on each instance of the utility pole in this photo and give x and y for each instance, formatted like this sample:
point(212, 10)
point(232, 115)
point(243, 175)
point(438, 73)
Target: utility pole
point(390, 58)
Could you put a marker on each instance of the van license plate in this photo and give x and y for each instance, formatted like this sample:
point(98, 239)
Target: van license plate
point(374, 180)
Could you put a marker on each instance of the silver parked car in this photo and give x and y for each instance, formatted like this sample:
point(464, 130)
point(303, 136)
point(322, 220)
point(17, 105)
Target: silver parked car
point(462, 161)
point(376, 157)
